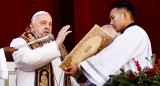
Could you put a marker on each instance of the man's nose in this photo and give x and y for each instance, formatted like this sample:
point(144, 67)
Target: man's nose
point(47, 26)
point(111, 23)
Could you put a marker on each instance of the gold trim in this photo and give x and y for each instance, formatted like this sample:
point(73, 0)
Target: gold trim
point(9, 73)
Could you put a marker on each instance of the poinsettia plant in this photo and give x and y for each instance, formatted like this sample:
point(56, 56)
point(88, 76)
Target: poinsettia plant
point(146, 77)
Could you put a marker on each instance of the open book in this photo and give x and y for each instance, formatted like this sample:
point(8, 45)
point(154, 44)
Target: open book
point(93, 42)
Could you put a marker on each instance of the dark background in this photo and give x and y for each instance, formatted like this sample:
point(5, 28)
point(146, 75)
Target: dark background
point(82, 15)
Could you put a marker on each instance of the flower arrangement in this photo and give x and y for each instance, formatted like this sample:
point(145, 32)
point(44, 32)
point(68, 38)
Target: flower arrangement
point(145, 77)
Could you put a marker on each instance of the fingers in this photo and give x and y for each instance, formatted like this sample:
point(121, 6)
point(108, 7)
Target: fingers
point(62, 34)
point(68, 73)
point(14, 48)
point(68, 68)
point(68, 32)
point(71, 70)
point(65, 28)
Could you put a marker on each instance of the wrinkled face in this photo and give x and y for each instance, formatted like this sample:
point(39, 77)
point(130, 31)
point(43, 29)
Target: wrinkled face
point(42, 25)
point(117, 19)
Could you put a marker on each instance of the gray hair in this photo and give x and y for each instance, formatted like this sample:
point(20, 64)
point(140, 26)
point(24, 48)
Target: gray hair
point(106, 26)
point(38, 13)
point(114, 33)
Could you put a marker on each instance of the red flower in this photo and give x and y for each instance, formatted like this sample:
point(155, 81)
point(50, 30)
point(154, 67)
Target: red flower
point(150, 73)
point(131, 75)
point(139, 69)
point(156, 67)
point(138, 66)
point(137, 63)
point(159, 61)
point(151, 70)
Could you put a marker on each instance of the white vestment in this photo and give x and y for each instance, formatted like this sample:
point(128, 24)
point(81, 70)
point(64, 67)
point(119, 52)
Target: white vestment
point(132, 45)
point(3, 65)
point(27, 61)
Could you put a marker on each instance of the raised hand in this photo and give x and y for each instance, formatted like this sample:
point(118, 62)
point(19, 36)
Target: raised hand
point(62, 34)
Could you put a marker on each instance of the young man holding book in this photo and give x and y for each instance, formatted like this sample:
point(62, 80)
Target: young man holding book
point(132, 45)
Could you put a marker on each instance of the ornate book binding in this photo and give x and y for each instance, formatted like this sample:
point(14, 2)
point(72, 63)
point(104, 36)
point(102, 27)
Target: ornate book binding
point(93, 42)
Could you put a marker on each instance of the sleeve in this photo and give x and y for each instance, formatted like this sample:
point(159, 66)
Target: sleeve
point(3, 65)
point(73, 81)
point(126, 46)
point(30, 60)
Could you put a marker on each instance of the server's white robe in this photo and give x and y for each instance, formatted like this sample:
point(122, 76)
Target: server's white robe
point(132, 45)
point(3, 65)
point(27, 61)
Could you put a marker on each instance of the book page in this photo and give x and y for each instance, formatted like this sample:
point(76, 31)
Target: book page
point(93, 42)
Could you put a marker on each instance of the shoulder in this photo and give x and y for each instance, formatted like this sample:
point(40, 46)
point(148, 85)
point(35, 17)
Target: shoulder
point(135, 30)
point(17, 41)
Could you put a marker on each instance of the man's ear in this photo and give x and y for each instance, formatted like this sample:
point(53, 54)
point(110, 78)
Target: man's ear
point(31, 26)
point(126, 15)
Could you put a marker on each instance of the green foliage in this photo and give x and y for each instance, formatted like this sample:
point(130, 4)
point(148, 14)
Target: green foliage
point(153, 58)
point(145, 77)
point(158, 72)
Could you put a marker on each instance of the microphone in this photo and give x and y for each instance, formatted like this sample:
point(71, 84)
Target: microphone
point(48, 37)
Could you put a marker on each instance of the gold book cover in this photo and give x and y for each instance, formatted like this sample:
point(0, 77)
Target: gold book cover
point(92, 43)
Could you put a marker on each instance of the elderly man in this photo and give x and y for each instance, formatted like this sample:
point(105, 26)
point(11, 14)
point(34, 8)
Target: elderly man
point(132, 45)
point(37, 64)
point(109, 29)
point(5, 52)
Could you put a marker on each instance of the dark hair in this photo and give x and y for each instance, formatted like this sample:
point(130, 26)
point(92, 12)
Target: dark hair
point(124, 4)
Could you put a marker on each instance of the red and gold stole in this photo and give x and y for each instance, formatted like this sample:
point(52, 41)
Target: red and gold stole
point(44, 75)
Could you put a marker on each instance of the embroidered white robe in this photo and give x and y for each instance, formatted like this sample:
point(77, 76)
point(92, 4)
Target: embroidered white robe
point(27, 61)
